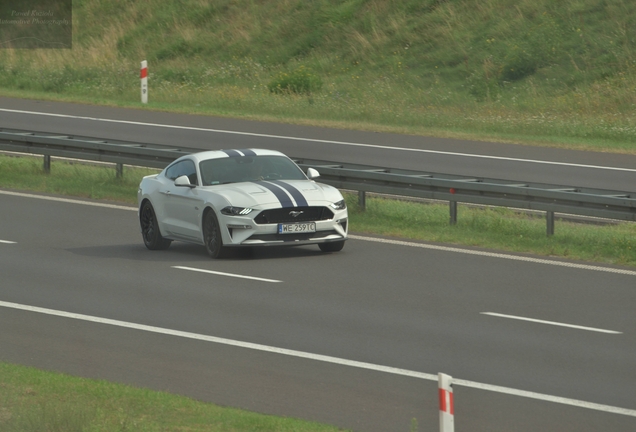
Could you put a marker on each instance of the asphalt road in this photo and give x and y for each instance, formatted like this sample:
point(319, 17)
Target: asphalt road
point(353, 338)
point(449, 156)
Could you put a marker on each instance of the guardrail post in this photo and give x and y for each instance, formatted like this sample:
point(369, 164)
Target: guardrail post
point(453, 212)
point(362, 200)
point(119, 168)
point(446, 404)
point(549, 217)
point(47, 164)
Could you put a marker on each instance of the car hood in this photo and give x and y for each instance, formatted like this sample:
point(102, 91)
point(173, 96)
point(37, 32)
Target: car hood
point(278, 193)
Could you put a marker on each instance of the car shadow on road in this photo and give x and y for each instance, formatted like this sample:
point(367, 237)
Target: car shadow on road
point(138, 252)
point(195, 253)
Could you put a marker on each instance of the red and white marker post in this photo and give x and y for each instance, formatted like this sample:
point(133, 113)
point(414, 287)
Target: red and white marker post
point(446, 405)
point(144, 82)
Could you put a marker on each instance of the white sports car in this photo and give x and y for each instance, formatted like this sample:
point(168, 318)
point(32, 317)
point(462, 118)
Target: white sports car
point(248, 197)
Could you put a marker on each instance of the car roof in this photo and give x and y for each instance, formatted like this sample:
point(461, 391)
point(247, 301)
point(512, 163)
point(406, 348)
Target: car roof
point(218, 154)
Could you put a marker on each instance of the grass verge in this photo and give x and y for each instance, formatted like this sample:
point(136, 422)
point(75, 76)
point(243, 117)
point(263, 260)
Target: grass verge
point(496, 228)
point(32, 400)
point(530, 71)
point(493, 228)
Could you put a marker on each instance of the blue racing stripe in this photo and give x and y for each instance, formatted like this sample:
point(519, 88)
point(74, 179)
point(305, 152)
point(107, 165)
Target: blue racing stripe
point(247, 152)
point(283, 198)
point(295, 193)
point(231, 153)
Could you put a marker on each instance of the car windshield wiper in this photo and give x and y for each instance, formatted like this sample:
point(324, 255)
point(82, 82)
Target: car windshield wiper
point(219, 183)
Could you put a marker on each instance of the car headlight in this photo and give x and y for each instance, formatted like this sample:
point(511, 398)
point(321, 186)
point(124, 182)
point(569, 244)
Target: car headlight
point(236, 211)
point(340, 205)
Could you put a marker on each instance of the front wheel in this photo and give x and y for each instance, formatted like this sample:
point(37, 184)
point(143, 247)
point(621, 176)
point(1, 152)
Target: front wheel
point(212, 236)
point(332, 246)
point(150, 229)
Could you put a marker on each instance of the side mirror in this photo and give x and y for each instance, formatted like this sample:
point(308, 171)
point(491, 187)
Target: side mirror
point(312, 173)
point(183, 181)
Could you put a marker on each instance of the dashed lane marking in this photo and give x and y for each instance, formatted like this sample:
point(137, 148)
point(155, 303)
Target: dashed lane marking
point(578, 327)
point(225, 274)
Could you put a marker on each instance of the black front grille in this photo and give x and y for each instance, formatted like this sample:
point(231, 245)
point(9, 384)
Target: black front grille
point(286, 215)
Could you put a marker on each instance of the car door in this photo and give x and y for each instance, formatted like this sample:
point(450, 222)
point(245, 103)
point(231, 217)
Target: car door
point(182, 205)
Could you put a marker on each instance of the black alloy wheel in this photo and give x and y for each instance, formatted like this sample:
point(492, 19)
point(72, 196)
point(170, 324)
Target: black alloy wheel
point(212, 235)
point(150, 229)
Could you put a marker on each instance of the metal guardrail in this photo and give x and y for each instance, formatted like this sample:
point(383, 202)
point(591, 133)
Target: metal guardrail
point(87, 148)
point(363, 178)
point(532, 196)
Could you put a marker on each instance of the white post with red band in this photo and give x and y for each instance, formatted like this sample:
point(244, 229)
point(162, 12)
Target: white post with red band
point(446, 405)
point(144, 81)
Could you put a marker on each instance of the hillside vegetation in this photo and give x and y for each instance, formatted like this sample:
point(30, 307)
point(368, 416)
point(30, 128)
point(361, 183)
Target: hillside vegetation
point(559, 72)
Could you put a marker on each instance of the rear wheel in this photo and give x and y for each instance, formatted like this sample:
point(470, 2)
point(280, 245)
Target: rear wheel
point(212, 236)
point(332, 246)
point(150, 229)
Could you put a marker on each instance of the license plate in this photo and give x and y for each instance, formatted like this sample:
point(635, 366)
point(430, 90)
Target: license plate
point(295, 228)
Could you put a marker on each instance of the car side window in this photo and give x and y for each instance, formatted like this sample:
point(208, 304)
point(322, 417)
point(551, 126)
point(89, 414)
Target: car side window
point(185, 167)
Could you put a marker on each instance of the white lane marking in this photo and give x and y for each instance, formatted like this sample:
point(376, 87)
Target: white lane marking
point(342, 143)
point(551, 323)
point(320, 358)
point(379, 240)
point(545, 397)
point(225, 274)
point(496, 255)
point(7, 242)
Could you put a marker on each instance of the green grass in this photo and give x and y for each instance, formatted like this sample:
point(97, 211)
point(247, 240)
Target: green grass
point(495, 228)
point(73, 179)
point(527, 71)
point(32, 400)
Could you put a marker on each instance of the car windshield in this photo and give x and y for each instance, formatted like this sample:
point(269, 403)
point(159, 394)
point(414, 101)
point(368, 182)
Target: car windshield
point(248, 168)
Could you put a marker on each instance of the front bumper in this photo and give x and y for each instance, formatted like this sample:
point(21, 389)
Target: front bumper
point(243, 231)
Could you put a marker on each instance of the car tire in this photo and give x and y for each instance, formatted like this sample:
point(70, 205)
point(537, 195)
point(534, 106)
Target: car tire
point(212, 236)
point(332, 246)
point(150, 228)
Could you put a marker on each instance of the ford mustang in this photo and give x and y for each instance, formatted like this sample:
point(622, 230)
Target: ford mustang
point(248, 197)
